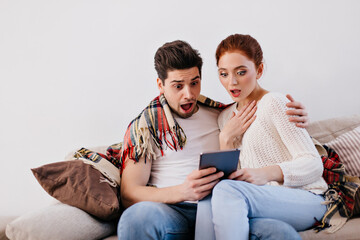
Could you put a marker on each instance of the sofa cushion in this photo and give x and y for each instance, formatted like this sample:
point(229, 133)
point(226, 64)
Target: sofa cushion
point(349, 231)
point(80, 185)
point(347, 146)
point(58, 221)
point(4, 220)
point(329, 129)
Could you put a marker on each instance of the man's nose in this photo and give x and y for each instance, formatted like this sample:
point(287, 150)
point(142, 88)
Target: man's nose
point(188, 93)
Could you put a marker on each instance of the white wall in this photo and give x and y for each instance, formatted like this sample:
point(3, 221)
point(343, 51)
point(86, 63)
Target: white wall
point(74, 73)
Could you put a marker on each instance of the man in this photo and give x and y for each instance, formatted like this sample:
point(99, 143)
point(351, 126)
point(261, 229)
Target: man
point(168, 210)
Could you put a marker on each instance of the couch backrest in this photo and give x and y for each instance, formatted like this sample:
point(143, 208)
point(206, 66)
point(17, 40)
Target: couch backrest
point(326, 130)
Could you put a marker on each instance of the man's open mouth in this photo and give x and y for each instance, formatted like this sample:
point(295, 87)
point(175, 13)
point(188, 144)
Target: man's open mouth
point(187, 107)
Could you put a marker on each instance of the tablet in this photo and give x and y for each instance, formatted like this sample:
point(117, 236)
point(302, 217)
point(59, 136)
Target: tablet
point(225, 161)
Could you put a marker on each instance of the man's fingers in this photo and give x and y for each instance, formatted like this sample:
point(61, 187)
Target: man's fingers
point(205, 180)
point(210, 178)
point(204, 172)
point(299, 112)
point(204, 194)
point(299, 119)
point(290, 98)
point(296, 105)
point(302, 125)
point(207, 187)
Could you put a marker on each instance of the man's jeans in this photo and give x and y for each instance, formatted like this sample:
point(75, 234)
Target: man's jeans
point(239, 209)
point(152, 220)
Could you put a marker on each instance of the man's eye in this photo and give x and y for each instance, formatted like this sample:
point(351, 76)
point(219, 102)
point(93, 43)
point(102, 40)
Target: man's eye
point(241, 73)
point(194, 83)
point(223, 74)
point(178, 86)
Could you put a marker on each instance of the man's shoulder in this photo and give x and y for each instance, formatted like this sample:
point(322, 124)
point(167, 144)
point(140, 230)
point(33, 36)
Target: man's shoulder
point(225, 115)
point(209, 110)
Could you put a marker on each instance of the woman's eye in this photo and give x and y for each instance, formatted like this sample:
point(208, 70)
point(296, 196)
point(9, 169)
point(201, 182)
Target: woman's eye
point(241, 73)
point(223, 74)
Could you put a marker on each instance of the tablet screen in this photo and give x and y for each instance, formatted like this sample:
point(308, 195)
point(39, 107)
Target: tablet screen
point(225, 161)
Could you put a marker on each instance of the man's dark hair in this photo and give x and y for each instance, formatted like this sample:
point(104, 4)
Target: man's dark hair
point(176, 55)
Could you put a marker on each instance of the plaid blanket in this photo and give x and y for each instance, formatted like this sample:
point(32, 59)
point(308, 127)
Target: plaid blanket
point(112, 155)
point(156, 122)
point(340, 196)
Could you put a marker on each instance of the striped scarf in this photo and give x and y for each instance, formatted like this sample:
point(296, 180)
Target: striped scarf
point(156, 122)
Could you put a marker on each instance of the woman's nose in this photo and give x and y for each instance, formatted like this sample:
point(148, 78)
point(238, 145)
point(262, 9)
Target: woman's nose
point(233, 80)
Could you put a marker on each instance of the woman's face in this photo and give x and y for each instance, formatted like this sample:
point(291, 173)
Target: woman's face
point(238, 74)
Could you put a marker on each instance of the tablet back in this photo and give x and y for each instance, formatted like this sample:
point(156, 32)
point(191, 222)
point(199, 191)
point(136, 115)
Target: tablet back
point(225, 161)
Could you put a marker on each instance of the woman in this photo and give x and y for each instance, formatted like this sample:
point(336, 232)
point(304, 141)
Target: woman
point(281, 172)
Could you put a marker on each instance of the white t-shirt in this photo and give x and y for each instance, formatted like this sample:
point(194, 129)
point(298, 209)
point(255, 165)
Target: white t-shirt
point(273, 140)
point(202, 134)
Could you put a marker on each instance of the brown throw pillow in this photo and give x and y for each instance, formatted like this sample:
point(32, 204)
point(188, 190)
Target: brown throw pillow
point(78, 184)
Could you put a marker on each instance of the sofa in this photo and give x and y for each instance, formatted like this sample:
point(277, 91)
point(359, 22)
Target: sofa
point(67, 219)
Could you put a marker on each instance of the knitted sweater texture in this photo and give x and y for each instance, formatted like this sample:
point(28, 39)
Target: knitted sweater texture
point(273, 140)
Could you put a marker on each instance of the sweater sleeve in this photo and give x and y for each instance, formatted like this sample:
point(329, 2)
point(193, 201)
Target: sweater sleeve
point(305, 165)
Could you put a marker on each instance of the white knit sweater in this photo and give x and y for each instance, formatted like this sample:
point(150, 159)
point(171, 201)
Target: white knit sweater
point(273, 140)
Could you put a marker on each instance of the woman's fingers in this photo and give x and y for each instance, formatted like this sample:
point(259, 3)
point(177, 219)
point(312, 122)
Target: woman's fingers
point(235, 175)
point(250, 114)
point(247, 111)
point(247, 108)
point(249, 122)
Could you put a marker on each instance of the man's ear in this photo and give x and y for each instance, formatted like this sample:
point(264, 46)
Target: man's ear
point(160, 85)
point(260, 71)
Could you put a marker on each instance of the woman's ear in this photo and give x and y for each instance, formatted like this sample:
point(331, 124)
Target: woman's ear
point(160, 85)
point(260, 71)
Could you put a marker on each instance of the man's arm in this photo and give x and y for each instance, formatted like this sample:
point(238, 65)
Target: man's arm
point(300, 114)
point(136, 175)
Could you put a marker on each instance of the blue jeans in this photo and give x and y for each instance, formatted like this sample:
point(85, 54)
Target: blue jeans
point(237, 205)
point(152, 220)
point(260, 228)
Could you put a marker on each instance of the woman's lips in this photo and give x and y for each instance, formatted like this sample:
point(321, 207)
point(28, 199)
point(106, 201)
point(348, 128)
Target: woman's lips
point(235, 93)
point(187, 107)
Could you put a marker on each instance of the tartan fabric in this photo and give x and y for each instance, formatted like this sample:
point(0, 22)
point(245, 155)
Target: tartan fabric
point(156, 122)
point(340, 195)
point(112, 155)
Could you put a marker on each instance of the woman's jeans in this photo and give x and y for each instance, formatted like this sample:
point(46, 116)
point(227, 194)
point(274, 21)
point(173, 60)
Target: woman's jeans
point(152, 220)
point(239, 209)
